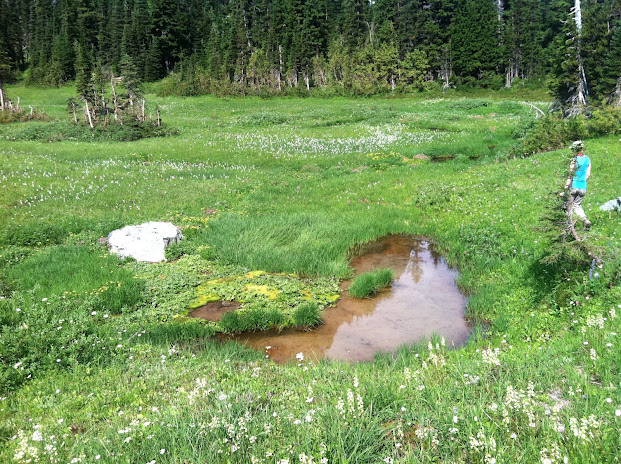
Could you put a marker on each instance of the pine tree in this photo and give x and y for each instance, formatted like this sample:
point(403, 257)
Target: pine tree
point(610, 82)
point(6, 73)
point(313, 40)
point(523, 40)
point(84, 70)
point(595, 43)
point(474, 40)
point(170, 23)
point(386, 59)
point(83, 81)
point(131, 81)
point(569, 84)
point(355, 22)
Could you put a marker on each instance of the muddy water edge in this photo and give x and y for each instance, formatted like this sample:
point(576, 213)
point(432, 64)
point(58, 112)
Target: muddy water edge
point(423, 300)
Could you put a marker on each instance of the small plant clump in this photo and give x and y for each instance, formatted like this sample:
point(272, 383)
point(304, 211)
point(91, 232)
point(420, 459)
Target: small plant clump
point(307, 315)
point(370, 283)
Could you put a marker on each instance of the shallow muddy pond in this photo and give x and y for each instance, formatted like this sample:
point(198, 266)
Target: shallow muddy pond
point(423, 300)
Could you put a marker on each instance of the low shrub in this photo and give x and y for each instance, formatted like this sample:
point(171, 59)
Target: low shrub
point(57, 333)
point(177, 250)
point(370, 283)
point(22, 116)
point(42, 233)
point(263, 119)
point(554, 132)
point(59, 131)
point(605, 120)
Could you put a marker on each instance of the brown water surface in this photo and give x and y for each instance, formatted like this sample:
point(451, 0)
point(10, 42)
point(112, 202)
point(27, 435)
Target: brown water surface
point(423, 300)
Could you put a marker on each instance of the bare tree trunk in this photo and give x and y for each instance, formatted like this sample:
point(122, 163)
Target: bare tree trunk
point(539, 111)
point(143, 118)
point(88, 114)
point(1, 98)
point(246, 30)
point(617, 94)
point(371, 28)
point(75, 116)
point(279, 67)
point(159, 120)
point(115, 100)
point(578, 16)
point(307, 81)
point(582, 88)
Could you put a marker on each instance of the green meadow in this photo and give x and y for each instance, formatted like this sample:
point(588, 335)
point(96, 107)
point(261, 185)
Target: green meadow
point(100, 362)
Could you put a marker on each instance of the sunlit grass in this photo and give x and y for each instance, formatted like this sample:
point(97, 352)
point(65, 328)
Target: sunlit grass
point(370, 283)
point(288, 186)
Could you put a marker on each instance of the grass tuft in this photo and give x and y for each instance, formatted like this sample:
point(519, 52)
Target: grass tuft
point(370, 283)
point(307, 315)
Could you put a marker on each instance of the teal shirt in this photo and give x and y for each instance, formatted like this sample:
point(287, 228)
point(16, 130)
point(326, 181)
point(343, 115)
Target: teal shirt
point(580, 174)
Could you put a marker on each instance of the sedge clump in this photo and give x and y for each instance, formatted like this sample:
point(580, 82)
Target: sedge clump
point(370, 283)
point(307, 315)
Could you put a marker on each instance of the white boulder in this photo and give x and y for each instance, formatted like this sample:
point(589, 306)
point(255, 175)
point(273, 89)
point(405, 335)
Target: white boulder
point(144, 242)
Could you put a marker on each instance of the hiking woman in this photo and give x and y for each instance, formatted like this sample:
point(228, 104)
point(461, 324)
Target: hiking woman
point(581, 170)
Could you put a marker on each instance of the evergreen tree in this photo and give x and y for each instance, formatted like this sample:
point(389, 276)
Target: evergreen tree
point(5, 73)
point(84, 70)
point(170, 19)
point(523, 40)
point(355, 22)
point(610, 81)
point(569, 84)
point(131, 81)
point(413, 69)
point(83, 81)
point(313, 40)
point(595, 42)
point(270, 43)
point(386, 59)
point(474, 40)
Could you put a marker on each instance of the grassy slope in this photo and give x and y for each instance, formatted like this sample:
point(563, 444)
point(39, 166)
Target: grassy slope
point(296, 184)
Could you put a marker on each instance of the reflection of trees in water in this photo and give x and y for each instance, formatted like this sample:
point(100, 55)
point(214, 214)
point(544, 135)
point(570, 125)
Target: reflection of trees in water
point(420, 253)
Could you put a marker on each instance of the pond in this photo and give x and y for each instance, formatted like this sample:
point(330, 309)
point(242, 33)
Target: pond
point(423, 300)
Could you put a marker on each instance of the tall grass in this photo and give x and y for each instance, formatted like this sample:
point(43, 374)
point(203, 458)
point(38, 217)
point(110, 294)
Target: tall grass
point(77, 270)
point(311, 243)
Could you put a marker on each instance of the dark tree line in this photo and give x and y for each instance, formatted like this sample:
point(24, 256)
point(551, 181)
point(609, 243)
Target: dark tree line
point(359, 46)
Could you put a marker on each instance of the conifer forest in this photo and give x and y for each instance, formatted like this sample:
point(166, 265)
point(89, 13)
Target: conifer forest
point(349, 47)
